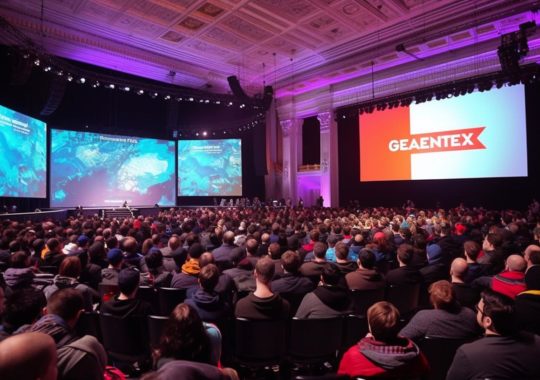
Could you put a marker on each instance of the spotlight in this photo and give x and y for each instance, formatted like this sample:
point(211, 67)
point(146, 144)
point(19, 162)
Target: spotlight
point(179, 99)
point(47, 69)
point(207, 101)
point(204, 133)
point(59, 73)
point(191, 99)
point(218, 102)
point(140, 92)
point(37, 62)
point(230, 104)
point(201, 101)
point(127, 89)
point(167, 97)
point(82, 80)
point(112, 86)
point(197, 134)
point(242, 106)
point(69, 78)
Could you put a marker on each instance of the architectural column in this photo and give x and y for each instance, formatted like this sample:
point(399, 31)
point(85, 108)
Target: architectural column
point(272, 180)
point(289, 129)
point(329, 159)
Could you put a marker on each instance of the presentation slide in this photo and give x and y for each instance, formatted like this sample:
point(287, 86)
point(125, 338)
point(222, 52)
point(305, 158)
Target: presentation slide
point(101, 170)
point(210, 167)
point(479, 135)
point(23, 155)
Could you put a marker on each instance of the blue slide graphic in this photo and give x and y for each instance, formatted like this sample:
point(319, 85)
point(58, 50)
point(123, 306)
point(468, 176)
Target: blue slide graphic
point(210, 167)
point(23, 155)
point(95, 170)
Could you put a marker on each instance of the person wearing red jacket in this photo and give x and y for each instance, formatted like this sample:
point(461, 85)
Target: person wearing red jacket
point(382, 352)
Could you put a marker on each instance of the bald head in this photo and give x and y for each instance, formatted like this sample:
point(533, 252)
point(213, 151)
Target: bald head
point(528, 250)
point(459, 268)
point(516, 263)
point(205, 259)
point(18, 351)
point(228, 237)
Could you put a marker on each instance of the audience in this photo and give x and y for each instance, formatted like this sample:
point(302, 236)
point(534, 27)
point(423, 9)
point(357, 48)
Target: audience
point(126, 304)
point(366, 276)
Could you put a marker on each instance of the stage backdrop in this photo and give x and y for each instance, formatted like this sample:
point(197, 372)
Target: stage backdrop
point(23, 155)
point(210, 167)
point(479, 135)
point(95, 169)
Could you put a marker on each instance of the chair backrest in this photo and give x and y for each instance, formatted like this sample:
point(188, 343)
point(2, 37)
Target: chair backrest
point(260, 341)
point(315, 339)
point(403, 297)
point(107, 291)
point(440, 354)
point(125, 339)
point(363, 299)
point(156, 324)
point(51, 269)
point(355, 327)
point(169, 298)
point(149, 294)
point(88, 324)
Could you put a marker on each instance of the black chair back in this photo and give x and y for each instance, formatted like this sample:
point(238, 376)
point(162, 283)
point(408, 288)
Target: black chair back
point(315, 340)
point(440, 354)
point(355, 328)
point(125, 339)
point(260, 342)
point(51, 269)
point(404, 297)
point(156, 324)
point(363, 299)
point(149, 295)
point(169, 298)
point(88, 324)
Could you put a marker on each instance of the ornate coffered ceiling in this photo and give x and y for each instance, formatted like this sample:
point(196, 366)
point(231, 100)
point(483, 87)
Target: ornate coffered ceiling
point(301, 47)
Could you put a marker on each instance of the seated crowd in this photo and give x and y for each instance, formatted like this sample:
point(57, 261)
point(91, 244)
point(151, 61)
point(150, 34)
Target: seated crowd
point(477, 274)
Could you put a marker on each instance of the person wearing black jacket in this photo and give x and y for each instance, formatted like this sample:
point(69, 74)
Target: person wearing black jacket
point(125, 304)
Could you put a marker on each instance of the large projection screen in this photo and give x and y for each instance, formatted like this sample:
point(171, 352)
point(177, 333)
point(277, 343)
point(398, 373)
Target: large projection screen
point(210, 167)
point(96, 170)
point(479, 135)
point(23, 155)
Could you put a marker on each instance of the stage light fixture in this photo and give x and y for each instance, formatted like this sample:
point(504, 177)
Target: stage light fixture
point(191, 99)
point(59, 73)
point(69, 78)
point(167, 97)
point(82, 80)
point(207, 101)
point(47, 69)
point(204, 133)
point(112, 86)
point(140, 92)
point(197, 134)
point(218, 102)
point(37, 62)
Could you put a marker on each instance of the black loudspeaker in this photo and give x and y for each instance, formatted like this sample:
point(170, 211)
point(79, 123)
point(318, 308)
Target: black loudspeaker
point(236, 89)
point(56, 94)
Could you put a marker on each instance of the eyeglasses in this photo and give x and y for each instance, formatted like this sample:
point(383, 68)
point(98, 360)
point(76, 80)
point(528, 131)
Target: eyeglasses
point(479, 310)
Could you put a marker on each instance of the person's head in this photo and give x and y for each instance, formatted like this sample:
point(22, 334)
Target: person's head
point(290, 261)
point(264, 270)
point(53, 245)
point(471, 249)
point(228, 238)
point(330, 275)
point(128, 281)
point(527, 254)
point(70, 267)
point(383, 321)
point(251, 247)
point(274, 250)
point(459, 269)
point(492, 241)
point(115, 257)
point(319, 250)
point(495, 313)
point(174, 243)
point(66, 303)
point(341, 251)
point(96, 252)
point(516, 263)
point(28, 356)
point(130, 245)
point(184, 336)
point(205, 259)
point(366, 258)
point(154, 258)
point(23, 307)
point(405, 253)
point(195, 251)
point(442, 296)
point(209, 277)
